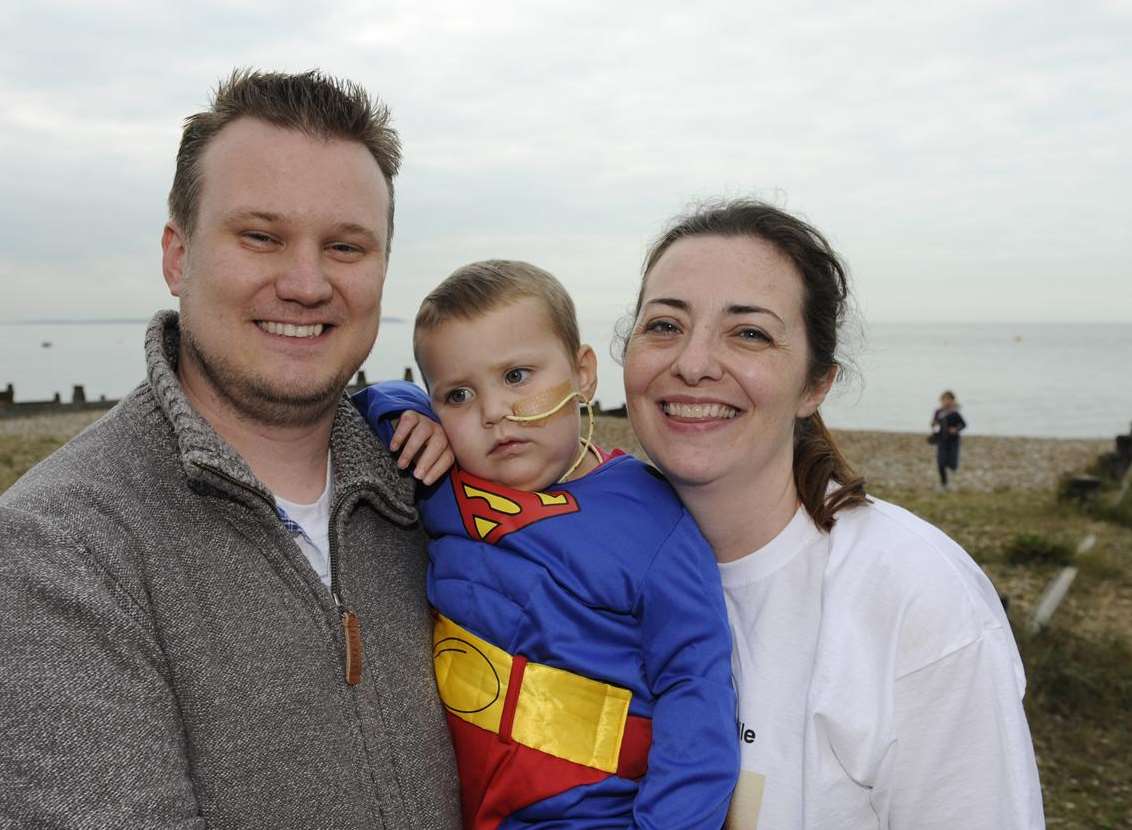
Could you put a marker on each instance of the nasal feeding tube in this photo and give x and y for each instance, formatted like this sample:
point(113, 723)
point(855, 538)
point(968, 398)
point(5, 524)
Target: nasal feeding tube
point(541, 407)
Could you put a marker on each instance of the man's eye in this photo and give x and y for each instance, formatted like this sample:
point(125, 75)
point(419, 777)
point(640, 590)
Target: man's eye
point(258, 238)
point(458, 396)
point(514, 376)
point(346, 249)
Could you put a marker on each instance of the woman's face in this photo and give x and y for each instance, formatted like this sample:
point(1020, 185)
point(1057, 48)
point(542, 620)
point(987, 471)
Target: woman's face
point(715, 370)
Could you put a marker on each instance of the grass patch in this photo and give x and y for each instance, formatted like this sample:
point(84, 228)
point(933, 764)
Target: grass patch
point(986, 524)
point(1104, 566)
point(1078, 701)
point(1109, 501)
point(1035, 549)
point(1072, 677)
point(18, 454)
point(1120, 512)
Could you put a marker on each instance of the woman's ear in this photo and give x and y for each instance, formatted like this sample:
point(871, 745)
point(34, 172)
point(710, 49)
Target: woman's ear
point(585, 372)
point(815, 393)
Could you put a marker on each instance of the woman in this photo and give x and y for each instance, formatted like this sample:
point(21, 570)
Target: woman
point(879, 682)
point(947, 423)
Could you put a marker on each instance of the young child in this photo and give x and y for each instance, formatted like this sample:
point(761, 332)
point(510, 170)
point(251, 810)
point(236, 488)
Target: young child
point(581, 644)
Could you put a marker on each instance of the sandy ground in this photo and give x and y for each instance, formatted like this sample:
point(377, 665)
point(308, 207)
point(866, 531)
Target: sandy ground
point(891, 459)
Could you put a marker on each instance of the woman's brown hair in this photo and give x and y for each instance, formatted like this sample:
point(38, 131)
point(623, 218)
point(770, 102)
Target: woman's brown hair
point(825, 298)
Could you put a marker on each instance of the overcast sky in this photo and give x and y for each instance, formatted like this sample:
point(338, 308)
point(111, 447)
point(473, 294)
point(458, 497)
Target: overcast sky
point(969, 159)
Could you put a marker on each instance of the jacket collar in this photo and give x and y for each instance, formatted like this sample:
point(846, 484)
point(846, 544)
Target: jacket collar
point(362, 466)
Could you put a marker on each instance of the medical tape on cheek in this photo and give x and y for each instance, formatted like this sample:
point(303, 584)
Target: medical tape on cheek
point(536, 410)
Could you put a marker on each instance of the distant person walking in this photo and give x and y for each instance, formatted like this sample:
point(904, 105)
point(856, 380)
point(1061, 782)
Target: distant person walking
point(947, 423)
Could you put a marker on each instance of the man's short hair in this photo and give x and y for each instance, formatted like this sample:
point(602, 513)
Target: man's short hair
point(481, 287)
point(310, 102)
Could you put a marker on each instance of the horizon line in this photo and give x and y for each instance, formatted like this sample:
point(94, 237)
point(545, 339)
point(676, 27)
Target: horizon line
point(96, 321)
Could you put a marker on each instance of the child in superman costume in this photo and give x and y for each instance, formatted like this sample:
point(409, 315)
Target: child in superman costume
point(581, 646)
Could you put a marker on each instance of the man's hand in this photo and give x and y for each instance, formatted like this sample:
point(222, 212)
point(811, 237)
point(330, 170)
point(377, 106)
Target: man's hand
point(423, 443)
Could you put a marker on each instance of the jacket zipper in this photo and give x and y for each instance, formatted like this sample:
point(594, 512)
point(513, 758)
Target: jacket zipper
point(351, 626)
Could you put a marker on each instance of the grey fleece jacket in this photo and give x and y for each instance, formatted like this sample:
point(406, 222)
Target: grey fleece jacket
point(168, 658)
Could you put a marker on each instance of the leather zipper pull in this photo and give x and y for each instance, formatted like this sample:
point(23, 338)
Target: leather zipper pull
point(353, 631)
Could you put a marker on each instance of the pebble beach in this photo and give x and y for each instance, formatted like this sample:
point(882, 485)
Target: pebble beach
point(905, 461)
point(890, 459)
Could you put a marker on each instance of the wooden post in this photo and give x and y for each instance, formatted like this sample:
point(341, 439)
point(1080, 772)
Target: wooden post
point(1051, 598)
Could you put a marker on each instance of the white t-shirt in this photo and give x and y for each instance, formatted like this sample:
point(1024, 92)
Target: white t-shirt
point(879, 683)
point(314, 519)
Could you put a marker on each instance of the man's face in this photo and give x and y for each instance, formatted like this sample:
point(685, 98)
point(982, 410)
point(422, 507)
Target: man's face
point(280, 284)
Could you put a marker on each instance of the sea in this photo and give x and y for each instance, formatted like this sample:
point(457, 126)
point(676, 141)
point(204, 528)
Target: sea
point(1026, 379)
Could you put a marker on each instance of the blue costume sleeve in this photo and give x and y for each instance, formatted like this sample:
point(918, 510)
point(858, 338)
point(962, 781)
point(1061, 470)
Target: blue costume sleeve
point(694, 759)
point(382, 403)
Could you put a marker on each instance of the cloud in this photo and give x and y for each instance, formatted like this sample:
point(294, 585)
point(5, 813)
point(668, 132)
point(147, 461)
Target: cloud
point(967, 158)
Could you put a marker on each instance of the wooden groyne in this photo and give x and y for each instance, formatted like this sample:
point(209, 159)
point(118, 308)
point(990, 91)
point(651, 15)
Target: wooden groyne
point(11, 408)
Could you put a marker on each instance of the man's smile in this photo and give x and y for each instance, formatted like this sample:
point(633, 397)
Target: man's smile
point(291, 329)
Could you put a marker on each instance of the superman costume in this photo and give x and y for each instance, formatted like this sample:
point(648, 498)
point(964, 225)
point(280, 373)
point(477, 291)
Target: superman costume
point(581, 639)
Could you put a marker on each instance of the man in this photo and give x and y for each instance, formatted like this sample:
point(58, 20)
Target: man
point(213, 600)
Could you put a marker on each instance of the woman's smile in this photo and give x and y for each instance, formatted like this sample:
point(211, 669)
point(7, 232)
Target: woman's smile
point(697, 411)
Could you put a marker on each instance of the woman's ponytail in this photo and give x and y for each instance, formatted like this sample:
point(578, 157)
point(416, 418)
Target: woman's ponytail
point(818, 463)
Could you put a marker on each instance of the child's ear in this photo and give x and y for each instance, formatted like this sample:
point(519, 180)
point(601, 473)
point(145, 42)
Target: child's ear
point(586, 372)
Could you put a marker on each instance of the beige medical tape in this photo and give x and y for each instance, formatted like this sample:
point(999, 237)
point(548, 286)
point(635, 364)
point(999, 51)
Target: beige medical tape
point(536, 410)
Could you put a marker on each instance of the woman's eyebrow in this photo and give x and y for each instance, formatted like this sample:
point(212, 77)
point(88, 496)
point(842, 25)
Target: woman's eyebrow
point(734, 308)
point(753, 309)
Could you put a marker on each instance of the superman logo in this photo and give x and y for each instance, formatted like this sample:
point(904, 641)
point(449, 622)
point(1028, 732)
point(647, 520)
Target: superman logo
point(491, 511)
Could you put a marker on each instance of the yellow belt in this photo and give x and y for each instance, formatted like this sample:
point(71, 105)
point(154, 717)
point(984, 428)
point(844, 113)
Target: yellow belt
point(552, 710)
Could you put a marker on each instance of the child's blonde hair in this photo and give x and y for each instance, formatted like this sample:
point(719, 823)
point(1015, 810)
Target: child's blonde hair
point(476, 289)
